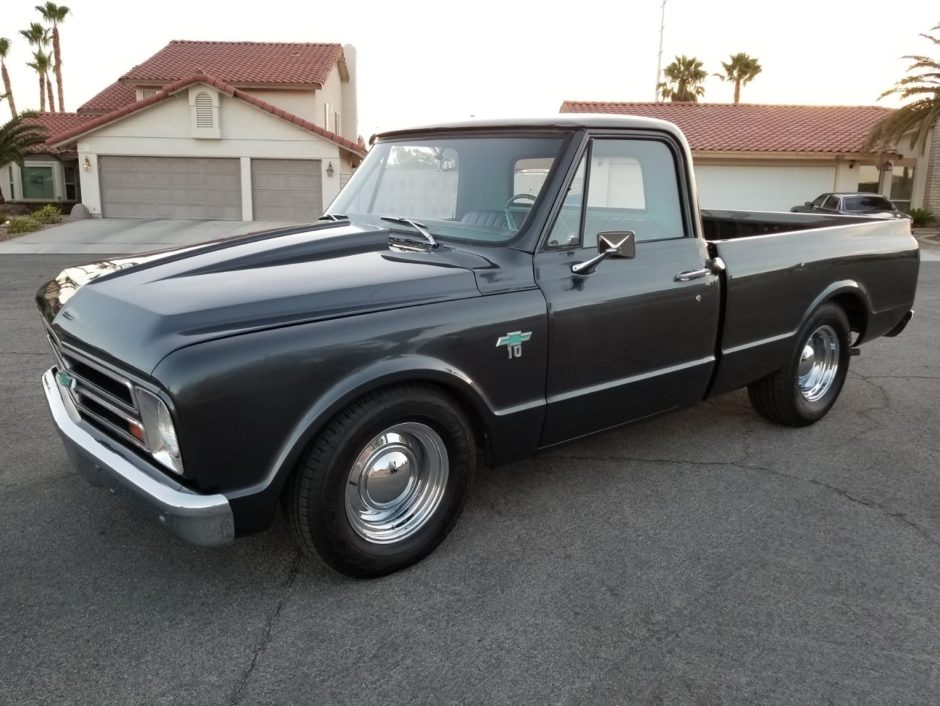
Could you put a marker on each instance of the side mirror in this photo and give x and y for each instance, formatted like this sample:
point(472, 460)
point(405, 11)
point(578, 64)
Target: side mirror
point(612, 243)
point(622, 242)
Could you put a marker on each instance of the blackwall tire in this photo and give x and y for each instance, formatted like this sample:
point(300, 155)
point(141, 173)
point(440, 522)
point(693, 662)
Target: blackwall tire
point(384, 482)
point(803, 391)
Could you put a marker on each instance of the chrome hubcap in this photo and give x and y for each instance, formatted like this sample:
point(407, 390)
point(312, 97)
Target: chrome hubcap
point(819, 363)
point(396, 483)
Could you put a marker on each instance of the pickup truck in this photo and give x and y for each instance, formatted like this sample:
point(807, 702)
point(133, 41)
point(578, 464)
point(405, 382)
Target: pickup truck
point(479, 290)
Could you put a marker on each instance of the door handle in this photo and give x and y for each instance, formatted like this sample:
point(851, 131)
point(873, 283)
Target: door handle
point(692, 274)
point(714, 266)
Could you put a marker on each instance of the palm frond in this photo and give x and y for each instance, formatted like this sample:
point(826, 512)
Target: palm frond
point(18, 135)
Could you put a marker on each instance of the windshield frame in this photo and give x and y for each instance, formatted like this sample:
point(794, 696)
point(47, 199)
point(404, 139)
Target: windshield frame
point(528, 234)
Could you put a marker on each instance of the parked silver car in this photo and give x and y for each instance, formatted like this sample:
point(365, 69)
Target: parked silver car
point(852, 204)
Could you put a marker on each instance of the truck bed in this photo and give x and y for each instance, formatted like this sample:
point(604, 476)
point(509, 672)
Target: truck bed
point(781, 266)
point(728, 225)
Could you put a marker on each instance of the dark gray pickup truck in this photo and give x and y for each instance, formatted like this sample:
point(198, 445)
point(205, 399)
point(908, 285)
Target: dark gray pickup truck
point(488, 288)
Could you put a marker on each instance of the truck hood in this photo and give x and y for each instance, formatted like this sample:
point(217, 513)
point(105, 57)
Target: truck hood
point(137, 310)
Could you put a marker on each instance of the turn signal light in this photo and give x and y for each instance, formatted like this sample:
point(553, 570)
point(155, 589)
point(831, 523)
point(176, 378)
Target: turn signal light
point(136, 431)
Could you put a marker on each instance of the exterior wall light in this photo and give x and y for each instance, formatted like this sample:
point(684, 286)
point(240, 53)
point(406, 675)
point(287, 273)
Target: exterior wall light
point(329, 169)
point(86, 164)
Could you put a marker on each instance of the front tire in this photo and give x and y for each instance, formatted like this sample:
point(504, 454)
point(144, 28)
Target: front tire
point(384, 482)
point(806, 387)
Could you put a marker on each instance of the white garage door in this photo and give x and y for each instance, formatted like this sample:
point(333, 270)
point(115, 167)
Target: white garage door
point(761, 188)
point(286, 189)
point(170, 187)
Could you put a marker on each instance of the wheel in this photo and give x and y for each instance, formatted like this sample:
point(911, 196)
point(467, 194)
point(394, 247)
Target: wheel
point(510, 219)
point(384, 482)
point(806, 387)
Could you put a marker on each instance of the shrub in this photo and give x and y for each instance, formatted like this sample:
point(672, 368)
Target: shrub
point(47, 215)
point(26, 224)
point(921, 217)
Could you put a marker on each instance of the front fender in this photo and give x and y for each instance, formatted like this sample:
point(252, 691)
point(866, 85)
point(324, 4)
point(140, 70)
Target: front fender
point(248, 406)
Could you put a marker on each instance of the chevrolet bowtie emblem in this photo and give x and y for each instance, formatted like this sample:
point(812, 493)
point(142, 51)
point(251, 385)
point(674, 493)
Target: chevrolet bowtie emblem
point(513, 342)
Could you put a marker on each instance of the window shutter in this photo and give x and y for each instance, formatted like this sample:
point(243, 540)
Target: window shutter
point(204, 117)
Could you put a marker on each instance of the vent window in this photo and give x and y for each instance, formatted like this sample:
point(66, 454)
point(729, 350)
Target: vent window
point(204, 108)
point(204, 117)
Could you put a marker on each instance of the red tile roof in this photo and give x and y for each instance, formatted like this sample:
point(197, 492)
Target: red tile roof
point(54, 124)
point(70, 135)
point(115, 96)
point(240, 63)
point(724, 127)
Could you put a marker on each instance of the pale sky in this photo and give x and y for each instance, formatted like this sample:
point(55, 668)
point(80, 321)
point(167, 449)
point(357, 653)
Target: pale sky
point(421, 62)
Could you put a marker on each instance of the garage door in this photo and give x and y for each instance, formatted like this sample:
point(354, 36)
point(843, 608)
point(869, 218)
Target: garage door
point(170, 187)
point(286, 189)
point(761, 188)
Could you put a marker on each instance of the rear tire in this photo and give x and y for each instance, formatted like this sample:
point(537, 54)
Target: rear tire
point(384, 482)
point(805, 388)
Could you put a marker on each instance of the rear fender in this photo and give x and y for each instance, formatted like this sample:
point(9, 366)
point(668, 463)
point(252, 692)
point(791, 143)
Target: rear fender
point(854, 300)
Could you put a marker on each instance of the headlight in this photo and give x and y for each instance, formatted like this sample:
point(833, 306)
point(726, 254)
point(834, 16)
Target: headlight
point(159, 432)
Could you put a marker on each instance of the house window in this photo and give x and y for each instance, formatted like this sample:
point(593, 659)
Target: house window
point(204, 118)
point(147, 92)
point(38, 184)
point(71, 183)
point(12, 192)
point(868, 177)
point(902, 186)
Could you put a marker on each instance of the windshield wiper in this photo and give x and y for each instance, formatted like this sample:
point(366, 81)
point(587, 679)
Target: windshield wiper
point(333, 217)
point(420, 227)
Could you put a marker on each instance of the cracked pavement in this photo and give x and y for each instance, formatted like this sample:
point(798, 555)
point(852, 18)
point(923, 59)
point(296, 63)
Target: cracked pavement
point(703, 556)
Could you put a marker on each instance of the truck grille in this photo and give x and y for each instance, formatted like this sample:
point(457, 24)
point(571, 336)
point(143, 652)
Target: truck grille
point(103, 398)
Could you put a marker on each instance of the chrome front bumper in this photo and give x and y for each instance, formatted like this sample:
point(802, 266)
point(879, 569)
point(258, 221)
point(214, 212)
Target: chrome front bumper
point(199, 519)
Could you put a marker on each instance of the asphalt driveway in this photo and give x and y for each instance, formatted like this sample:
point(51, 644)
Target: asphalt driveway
point(705, 556)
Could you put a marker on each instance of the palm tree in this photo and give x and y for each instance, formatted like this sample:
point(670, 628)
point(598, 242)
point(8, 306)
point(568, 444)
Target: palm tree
point(38, 36)
point(41, 63)
point(922, 83)
point(685, 76)
point(18, 135)
point(740, 70)
point(55, 14)
point(7, 88)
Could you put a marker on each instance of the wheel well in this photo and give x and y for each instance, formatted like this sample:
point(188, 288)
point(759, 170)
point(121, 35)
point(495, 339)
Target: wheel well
point(460, 398)
point(855, 311)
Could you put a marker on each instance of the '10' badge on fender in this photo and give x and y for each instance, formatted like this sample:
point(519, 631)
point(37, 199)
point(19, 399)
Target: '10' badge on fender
point(513, 342)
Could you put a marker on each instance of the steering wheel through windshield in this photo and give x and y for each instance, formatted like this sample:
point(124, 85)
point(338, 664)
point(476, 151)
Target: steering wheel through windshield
point(510, 221)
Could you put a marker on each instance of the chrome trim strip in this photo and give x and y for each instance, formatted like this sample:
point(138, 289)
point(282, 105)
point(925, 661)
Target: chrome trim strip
point(629, 380)
point(759, 342)
point(200, 519)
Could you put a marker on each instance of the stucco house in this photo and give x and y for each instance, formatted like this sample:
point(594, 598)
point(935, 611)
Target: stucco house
point(48, 173)
point(772, 157)
point(215, 130)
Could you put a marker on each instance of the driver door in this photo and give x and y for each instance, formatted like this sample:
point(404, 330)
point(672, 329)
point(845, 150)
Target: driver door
point(636, 336)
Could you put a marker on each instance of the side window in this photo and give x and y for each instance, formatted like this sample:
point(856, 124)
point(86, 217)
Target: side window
point(819, 201)
point(832, 203)
point(567, 229)
point(632, 185)
point(419, 180)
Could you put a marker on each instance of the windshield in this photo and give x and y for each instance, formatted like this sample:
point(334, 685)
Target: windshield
point(479, 189)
